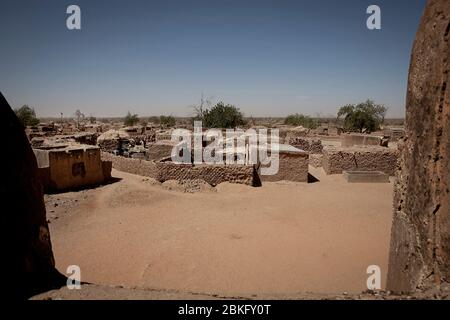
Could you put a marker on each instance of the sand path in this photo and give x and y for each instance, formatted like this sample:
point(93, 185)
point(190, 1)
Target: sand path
point(281, 238)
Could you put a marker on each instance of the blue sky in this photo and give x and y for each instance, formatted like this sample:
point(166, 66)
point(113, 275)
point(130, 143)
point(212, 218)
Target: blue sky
point(269, 58)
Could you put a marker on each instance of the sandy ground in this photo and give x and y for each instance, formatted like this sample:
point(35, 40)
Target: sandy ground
point(282, 238)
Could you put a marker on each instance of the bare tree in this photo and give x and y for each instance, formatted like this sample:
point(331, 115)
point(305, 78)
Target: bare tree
point(200, 109)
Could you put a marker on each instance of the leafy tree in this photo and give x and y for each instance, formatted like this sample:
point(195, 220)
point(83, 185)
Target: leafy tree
point(363, 117)
point(27, 116)
point(221, 116)
point(168, 121)
point(131, 119)
point(92, 119)
point(301, 120)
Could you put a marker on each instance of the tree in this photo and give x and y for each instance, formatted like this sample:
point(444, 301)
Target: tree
point(363, 117)
point(79, 115)
point(27, 116)
point(221, 116)
point(168, 121)
point(131, 119)
point(301, 120)
point(92, 119)
point(200, 109)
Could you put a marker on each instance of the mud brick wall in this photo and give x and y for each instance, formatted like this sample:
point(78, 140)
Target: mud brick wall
point(292, 167)
point(335, 160)
point(134, 166)
point(316, 160)
point(306, 144)
point(348, 140)
point(212, 174)
point(158, 150)
point(163, 171)
point(420, 237)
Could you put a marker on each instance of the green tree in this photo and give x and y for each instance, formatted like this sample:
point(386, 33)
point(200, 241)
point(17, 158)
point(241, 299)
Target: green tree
point(131, 119)
point(168, 121)
point(27, 116)
point(221, 116)
point(301, 120)
point(363, 117)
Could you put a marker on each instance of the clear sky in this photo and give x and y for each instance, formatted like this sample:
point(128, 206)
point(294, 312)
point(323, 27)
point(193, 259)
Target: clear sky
point(269, 58)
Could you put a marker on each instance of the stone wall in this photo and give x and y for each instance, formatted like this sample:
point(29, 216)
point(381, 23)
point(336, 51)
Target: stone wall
point(336, 159)
point(212, 174)
point(316, 160)
point(292, 167)
point(420, 237)
point(307, 144)
point(163, 171)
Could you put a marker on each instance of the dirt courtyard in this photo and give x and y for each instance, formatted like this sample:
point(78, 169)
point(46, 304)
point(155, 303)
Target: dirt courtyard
point(281, 238)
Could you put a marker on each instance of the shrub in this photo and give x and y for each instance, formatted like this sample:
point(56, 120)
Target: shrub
point(131, 119)
point(168, 121)
point(301, 120)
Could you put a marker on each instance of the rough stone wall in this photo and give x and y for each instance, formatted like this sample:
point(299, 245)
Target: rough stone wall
point(420, 237)
point(212, 174)
point(163, 171)
point(307, 144)
point(292, 167)
point(29, 266)
point(316, 160)
point(335, 160)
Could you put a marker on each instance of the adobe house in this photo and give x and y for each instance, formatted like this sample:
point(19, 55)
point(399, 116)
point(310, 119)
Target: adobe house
point(292, 166)
point(71, 166)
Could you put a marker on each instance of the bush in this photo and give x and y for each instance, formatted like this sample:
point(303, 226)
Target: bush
point(168, 121)
point(221, 116)
point(301, 120)
point(131, 119)
point(27, 116)
point(363, 117)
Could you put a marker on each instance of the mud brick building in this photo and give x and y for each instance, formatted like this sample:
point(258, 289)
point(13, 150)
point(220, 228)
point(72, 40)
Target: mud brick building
point(71, 166)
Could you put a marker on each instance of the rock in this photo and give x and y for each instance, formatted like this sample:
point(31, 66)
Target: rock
point(28, 260)
point(420, 236)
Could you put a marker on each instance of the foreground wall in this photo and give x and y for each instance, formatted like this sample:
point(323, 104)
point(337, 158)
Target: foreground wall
point(335, 159)
point(163, 171)
point(292, 167)
point(420, 240)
